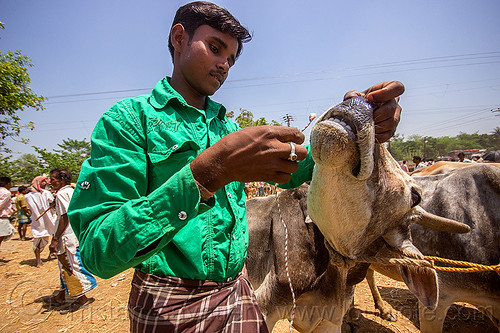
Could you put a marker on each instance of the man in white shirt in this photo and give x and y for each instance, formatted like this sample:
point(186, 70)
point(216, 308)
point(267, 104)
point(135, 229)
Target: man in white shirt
point(43, 218)
point(76, 280)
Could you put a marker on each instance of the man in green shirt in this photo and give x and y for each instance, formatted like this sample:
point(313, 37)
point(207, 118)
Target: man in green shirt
point(163, 190)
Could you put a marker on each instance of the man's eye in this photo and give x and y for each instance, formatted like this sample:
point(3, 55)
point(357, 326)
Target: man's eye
point(214, 49)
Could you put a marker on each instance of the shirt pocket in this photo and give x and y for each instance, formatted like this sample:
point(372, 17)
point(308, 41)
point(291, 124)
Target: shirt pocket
point(163, 164)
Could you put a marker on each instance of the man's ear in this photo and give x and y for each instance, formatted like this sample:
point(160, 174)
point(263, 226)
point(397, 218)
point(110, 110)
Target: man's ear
point(178, 36)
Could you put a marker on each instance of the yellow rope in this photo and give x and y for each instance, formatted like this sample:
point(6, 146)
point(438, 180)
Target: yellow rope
point(471, 266)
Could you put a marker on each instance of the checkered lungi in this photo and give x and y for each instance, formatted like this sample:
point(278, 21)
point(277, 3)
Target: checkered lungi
point(170, 304)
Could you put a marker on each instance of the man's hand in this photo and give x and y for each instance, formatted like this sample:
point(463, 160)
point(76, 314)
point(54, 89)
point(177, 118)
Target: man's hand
point(385, 96)
point(53, 245)
point(252, 154)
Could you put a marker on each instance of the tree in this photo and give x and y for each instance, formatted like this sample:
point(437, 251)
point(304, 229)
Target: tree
point(245, 119)
point(15, 94)
point(70, 156)
point(25, 168)
point(496, 137)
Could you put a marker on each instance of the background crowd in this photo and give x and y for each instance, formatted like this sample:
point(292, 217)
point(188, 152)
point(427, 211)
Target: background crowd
point(43, 207)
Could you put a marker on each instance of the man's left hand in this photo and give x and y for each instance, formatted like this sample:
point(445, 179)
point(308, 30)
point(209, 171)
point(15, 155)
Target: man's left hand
point(53, 245)
point(385, 97)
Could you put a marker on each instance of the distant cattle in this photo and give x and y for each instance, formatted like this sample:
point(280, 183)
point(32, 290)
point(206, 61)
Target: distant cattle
point(470, 195)
point(442, 167)
point(360, 201)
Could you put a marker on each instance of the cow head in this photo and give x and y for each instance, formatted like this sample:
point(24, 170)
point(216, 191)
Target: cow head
point(359, 193)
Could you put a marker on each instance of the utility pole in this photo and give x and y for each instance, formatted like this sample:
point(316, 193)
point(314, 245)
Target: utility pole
point(287, 119)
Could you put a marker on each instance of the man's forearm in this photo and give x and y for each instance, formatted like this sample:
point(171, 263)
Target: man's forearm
point(63, 224)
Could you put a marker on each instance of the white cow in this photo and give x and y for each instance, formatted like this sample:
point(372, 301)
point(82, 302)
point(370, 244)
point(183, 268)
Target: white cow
point(359, 200)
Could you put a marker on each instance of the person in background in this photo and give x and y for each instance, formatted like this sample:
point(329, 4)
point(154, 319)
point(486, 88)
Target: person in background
point(43, 215)
point(23, 212)
point(461, 158)
point(404, 166)
point(75, 279)
point(418, 162)
point(6, 209)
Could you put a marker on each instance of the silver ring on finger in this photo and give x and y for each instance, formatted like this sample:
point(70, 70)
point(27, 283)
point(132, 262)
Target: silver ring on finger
point(293, 156)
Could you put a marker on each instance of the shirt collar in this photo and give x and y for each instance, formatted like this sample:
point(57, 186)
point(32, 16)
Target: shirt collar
point(163, 93)
point(62, 188)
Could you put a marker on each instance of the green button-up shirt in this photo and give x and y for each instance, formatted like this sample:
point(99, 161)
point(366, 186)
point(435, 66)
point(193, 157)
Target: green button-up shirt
point(136, 203)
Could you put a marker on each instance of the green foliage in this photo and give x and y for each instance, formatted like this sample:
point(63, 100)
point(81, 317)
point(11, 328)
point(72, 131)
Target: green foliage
point(246, 119)
point(15, 95)
point(70, 156)
point(429, 147)
point(26, 168)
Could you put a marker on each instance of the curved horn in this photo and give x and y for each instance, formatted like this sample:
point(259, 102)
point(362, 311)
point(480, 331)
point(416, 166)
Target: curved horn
point(440, 223)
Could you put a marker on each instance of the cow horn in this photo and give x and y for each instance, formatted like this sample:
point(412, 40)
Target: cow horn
point(440, 223)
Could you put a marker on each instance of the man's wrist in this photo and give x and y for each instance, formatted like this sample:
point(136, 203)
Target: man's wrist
point(204, 193)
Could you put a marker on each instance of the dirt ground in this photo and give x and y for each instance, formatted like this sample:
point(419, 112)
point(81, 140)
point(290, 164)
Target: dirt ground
point(24, 287)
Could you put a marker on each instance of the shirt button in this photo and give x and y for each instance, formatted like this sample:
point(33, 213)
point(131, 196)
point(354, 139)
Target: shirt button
point(234, 237)
point(182, 215)
point(229, 279)
point(229, 195)
point(175, 147)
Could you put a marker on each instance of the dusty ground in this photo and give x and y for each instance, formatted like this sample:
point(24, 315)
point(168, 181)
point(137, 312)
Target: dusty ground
point(24, 286)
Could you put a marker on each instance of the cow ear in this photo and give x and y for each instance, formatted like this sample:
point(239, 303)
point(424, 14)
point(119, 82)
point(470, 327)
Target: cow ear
point(422, 282)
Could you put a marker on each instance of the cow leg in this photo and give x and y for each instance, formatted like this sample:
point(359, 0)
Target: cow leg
point(380, 305)
point(431, 321)
point(264, 295)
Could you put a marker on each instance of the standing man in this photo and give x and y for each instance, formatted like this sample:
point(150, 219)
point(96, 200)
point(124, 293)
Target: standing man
point(163, 190)
point(23, 212)
point(75, 279)
point(43, 218)
point(6, 209)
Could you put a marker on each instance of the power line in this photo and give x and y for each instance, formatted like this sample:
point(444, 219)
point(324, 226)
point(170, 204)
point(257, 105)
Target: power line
point(462, 57)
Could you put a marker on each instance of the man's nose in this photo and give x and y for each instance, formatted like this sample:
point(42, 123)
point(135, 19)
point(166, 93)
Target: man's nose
point(223, 66)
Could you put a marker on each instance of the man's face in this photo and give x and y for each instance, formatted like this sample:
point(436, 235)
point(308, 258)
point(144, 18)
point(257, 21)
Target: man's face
point(43, 183)
point(56, 183)
point(205, 60)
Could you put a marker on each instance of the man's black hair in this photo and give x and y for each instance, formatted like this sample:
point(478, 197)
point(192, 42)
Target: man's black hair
point(21, 188)
point(4, 181)
point(198, 13)
point(62, 174)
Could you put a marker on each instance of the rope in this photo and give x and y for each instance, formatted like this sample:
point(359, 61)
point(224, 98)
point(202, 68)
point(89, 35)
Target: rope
point(472, 266)
point(286, 265)
point(427, 262)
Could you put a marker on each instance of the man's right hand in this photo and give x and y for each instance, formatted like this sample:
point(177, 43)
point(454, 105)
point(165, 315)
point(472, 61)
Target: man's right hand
point(252, 154)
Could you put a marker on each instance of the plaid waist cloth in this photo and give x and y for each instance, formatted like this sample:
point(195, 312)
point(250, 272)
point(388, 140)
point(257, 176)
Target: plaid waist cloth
point(170, 304)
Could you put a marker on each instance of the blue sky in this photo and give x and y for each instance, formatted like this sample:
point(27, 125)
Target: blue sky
point(303, 57)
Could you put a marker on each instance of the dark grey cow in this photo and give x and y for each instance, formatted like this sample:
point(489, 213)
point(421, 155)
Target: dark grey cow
point(470, 195)
point(359, 200)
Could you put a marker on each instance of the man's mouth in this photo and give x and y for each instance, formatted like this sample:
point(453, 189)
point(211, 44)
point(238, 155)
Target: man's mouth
point(218, 77)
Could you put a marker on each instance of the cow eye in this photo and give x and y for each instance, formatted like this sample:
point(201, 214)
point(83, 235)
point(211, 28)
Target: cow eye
point(415, 198)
